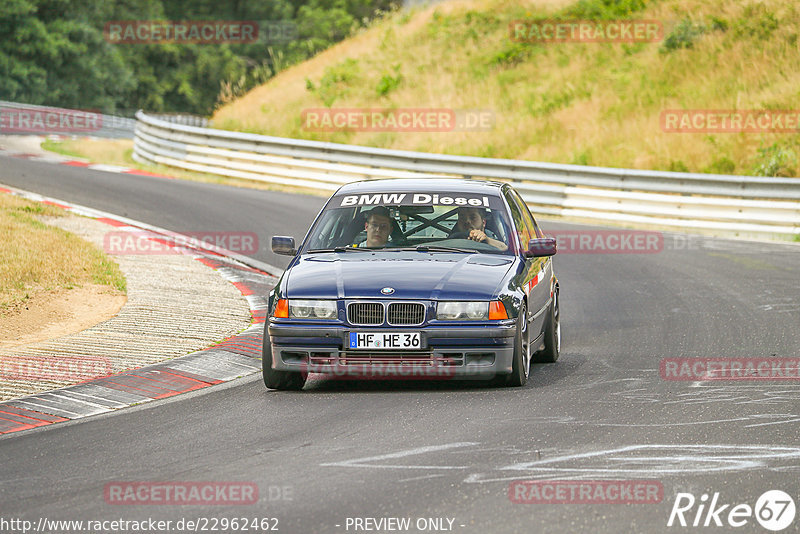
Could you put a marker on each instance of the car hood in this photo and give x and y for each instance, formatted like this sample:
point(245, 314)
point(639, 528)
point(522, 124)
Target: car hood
point(415, 275)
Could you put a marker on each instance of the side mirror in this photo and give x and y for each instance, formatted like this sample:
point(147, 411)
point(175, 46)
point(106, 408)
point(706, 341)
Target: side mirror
point(538, 248)
point(283, 245)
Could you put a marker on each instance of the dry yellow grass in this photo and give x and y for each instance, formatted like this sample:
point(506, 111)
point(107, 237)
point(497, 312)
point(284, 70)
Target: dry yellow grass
point(109, 151)
point(36, 258)
point(587, 103)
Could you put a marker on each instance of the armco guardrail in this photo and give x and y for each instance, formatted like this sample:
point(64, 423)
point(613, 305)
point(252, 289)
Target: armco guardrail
point(751, 206)
point(182, 118)
point(32, 119)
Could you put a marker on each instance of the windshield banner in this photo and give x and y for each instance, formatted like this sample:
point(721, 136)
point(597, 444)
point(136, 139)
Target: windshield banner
point(415, 199)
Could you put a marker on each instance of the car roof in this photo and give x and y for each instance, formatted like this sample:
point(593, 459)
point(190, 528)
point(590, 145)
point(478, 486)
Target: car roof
point(433, 184)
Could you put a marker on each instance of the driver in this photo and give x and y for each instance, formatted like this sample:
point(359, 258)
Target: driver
point(378, 227)
point(472, 223)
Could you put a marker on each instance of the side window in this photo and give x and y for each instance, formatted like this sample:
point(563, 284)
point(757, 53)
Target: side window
point(320, 240)
point(519, 221)
point(533, 228)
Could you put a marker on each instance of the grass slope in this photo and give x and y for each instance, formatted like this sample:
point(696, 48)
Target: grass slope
point(584, 103)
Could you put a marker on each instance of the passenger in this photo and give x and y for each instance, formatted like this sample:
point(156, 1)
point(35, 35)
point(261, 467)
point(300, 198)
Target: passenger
point(472, 223)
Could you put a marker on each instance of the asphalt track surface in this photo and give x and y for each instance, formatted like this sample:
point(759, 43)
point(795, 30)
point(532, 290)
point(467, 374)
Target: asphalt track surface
point(445, 450)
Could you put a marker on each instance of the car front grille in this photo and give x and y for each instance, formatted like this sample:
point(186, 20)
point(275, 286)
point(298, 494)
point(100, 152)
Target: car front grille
point(406, 313)
point(365, 313)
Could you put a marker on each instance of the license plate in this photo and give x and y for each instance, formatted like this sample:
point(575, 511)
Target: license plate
point(385, 340)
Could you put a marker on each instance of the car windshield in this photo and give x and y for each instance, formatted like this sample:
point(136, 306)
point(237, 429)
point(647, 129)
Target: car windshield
point(481, 226)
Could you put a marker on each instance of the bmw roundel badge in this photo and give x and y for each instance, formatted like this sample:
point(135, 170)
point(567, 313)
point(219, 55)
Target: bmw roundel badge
point(387, 290)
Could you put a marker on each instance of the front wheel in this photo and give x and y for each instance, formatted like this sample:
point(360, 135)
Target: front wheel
point(284, 380)
point(552, 335)
point(520, 365)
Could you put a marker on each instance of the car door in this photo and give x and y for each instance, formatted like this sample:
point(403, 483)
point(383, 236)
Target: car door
point(527, 275)
point(539, 271)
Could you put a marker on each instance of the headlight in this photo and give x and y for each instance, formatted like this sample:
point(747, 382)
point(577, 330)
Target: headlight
point(453, 311)
point(312, 309)
point(325, 309)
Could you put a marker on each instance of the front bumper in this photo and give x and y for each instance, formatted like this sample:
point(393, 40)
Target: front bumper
point(447, 351)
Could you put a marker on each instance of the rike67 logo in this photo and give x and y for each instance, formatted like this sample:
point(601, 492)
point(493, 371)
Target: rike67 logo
point(774, 510)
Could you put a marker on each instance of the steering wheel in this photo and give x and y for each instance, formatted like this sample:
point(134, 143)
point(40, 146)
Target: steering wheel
point(459, 235)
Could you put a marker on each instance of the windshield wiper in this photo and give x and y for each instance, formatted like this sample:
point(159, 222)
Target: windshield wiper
point(439, 248)
point(339, 249)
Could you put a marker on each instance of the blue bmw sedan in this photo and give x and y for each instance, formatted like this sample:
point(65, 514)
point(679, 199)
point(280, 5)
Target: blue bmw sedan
point(436, 278)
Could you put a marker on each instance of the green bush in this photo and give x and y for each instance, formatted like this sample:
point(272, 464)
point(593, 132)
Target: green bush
point(721, 165)
point(775, 160)
point(512, 54)
point(684, 35)
point(718, 24)
point(335, 81)
point(677, 166)
point(543, 104)
point(756, 22)
point(389, 83)
point(582, 158)
point(605, 9)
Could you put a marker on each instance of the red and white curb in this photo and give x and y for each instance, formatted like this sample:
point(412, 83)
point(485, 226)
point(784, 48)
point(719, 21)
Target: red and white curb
point(233, 358)
point(71, 162)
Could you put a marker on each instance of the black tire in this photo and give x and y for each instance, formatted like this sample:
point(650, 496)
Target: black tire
point(552, 334)
point(520, 365)
point(283, 380)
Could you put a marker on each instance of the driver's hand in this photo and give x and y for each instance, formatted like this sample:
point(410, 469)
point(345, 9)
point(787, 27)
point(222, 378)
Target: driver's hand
point(477, 235)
